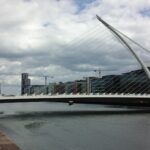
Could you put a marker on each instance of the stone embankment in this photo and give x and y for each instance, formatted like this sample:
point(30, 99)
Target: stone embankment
point(6, 144)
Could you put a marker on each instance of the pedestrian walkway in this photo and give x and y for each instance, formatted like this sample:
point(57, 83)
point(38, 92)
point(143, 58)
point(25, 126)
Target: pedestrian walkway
point(6, 144)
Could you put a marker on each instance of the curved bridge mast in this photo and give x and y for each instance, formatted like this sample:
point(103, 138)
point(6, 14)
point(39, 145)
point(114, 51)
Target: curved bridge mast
point(113, 30)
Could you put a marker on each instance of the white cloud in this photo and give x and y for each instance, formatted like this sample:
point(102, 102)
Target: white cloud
point(38, 36)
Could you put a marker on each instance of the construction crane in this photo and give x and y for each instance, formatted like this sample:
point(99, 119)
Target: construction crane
point(34, 75)
point(45, 77)
point(99, 71)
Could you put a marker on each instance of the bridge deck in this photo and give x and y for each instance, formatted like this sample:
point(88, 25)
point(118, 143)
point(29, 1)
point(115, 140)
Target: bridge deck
point(138, 100)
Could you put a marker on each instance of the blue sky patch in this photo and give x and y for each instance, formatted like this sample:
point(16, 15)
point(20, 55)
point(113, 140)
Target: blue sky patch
point(82, 3)
point(145, 12)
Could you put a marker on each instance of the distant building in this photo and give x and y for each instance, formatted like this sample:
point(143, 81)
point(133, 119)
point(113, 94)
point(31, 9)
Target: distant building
point(56, 88)
point(135, 82)
point(109, 83)
point(131, 82)
point(51, 88)
point(97, 85)
point(80, 86)
point(59, 88)
point(69, 87)
point(38, 89)
point(89, 81)
point(25, 83)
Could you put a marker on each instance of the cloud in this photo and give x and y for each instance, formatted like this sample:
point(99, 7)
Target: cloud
point(63, 38)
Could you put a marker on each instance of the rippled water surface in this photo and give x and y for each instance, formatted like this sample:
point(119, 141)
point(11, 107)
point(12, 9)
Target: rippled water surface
point(56, 126)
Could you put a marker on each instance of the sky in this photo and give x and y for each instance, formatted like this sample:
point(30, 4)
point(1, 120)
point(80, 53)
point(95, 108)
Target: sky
point(63, 38)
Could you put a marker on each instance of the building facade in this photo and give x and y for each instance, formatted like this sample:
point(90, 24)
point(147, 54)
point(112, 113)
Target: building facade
point(25, 83)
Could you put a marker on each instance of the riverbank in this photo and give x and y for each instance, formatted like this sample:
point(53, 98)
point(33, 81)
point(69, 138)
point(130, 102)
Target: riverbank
point(6, 144)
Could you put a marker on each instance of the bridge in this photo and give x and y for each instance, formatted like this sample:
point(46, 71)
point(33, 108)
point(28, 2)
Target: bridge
point(130, 88)
point(107, 99)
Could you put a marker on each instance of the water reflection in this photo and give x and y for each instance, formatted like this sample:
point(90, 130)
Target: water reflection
point(30, 110)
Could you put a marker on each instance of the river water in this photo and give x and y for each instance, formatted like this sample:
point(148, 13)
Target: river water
point(57, 126)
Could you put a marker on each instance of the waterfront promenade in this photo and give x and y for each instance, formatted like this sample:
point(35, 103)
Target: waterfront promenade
point(6, 144)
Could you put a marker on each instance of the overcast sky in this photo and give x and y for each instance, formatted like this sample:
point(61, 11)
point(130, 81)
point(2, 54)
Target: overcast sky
point(64, 39)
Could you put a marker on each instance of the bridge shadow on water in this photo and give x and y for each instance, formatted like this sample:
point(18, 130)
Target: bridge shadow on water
point(75, 113)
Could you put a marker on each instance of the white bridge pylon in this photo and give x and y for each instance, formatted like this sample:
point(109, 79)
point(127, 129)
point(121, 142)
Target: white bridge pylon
point(113, 30)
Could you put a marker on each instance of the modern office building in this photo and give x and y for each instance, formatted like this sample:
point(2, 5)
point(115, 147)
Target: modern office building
point(131, 82)
point(97, 85)
point(38, 89)
point(106, 84)
point(80, 86)
point(70, 87)
point(56, 88)
point(25, 83)
point(135, 82)
point(90, 83)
